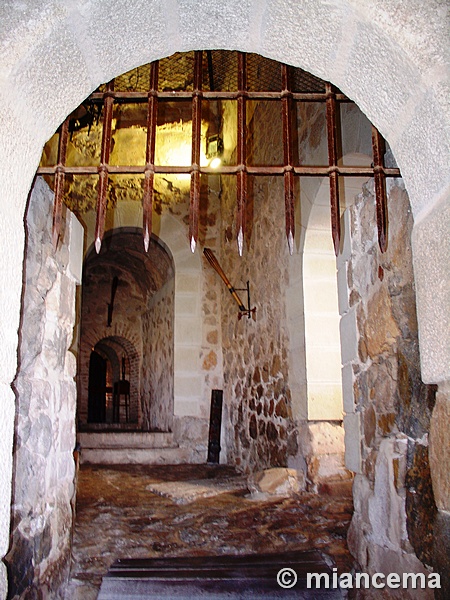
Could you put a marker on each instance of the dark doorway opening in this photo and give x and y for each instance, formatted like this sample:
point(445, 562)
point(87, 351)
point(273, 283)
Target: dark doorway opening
point(97, 389)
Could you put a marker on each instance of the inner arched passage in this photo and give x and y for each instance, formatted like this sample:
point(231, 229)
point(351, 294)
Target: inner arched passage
point(127, 325)
point(113, 390)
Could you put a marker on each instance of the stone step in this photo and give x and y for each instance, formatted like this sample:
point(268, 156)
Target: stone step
point(126, 439)
point(216, 577)
point(125, 447)
point(136, 456)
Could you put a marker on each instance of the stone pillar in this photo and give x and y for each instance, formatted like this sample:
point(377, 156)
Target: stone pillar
point(440, 475)
point(431, 250)
point(44, 473)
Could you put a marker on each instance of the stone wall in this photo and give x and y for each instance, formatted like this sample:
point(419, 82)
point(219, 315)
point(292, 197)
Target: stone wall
point(261, 431)
point(362, 49)
point(388, 406)
point(157, 360)
point(43, 486)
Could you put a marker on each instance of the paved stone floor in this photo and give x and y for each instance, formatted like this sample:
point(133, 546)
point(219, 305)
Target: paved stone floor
point(208, 512)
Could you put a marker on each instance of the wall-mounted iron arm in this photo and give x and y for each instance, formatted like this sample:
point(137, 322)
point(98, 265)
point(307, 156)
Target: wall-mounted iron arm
point(215, 265)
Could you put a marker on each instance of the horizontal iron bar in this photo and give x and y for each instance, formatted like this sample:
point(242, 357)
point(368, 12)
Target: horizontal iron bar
point(305, 171)
point(97, 97)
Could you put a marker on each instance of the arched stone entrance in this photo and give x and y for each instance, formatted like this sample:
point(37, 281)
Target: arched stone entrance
point(390, 61)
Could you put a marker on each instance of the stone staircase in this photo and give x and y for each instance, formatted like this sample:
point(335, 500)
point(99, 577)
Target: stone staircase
point(216, 577)
point(129, 447)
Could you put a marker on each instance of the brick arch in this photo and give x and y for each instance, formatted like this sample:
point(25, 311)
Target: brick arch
point(121, 347)
point(117, 344)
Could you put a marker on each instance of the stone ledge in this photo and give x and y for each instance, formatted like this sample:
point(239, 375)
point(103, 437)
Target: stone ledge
point(153, 456)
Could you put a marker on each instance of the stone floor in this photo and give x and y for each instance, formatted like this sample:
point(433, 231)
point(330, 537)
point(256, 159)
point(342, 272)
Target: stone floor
point(167, 511)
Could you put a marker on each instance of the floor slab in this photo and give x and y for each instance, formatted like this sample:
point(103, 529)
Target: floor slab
point(118, 517)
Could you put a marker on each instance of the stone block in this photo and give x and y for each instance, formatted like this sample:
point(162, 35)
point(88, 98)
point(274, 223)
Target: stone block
point(431, 249)
point(325, 401)
point(184, 407)
point(318, 266)
point(322, 329)
point(380, 328)
point(187, 282)
point(186, 359)
point(386, 507)
point(115, 18)
point(387, 560)
point(323, 365)
point(76, 245)
point(320, 295)
point(425, 130)
point(352, 428)
point(59, 72)
point(439, 448)
point(187, 305)
point(188, 331)
point(347, 388)
point(441, 553)
point(343, 290)
point(276, 482)
point(325, 438)
point(349, 336)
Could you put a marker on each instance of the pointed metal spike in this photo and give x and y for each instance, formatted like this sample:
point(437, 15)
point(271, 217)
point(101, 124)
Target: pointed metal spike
point(193, 244)
point(146, 239)
point(291, 243)
point(98, 245)
point(240, 241)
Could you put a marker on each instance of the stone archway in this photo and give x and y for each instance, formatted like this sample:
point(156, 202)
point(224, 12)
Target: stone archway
point(390, 61)
point(126, 293)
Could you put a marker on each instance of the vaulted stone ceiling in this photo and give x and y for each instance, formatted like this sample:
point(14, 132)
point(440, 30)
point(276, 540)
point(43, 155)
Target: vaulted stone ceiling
point(122, 255)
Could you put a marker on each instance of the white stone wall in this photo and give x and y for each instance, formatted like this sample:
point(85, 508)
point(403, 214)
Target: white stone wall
point(44, 474)
point(390, 58)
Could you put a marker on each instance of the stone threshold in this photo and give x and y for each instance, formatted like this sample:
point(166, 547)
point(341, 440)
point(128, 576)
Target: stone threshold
point(126, 439)
point(129, 447)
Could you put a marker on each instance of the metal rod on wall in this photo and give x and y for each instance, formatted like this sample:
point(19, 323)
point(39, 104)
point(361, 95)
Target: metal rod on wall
point(149, 175)
point(194, 206)
point(380, 188)
point(332, 162)
point(103, 168)
point(286, 102)
point(60, 179)
point(241, 184)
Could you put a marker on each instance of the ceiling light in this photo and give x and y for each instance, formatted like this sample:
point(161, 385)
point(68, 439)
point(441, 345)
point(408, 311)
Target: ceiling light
point(214, 150)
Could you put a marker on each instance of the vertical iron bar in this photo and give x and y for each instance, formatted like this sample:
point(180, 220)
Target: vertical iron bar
point(215, 422)
point(210, 70)
point(332, 162)
point(380, 188)
point(59, 182)
point(149, 175)
point(286, 105)
point(241, 151)
point(108, 103)
point(194, 205)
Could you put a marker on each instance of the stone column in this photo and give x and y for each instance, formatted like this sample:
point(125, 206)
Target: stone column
point(431, 251)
